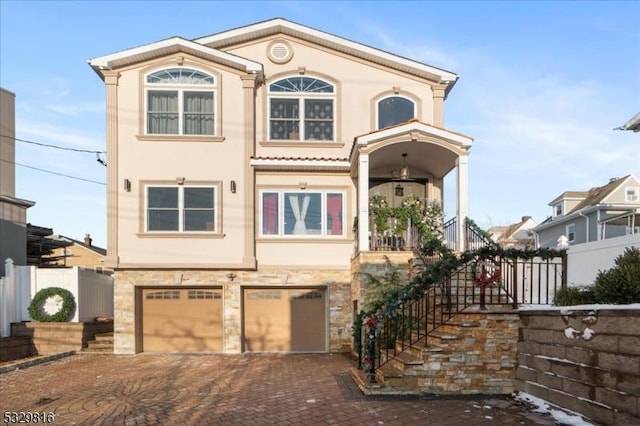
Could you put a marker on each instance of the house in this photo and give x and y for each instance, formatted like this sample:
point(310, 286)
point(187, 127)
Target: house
point(517, 235)
point(13, 210)
point(238, 164)
point(80, 253)
point(603, 212)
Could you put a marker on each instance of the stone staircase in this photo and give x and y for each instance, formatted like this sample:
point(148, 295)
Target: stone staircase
point(473, 353)
point(101, 344)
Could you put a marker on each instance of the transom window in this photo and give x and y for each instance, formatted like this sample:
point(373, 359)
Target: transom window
point(180, 101)
point(395, 110)
point(301, 108)
point(305, 213)
point(181, 209)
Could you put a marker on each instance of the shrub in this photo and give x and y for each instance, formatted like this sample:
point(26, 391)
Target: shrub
point(620, 284)
point(570, 296)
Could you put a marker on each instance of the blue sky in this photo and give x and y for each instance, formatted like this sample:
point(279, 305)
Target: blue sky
point(542, 85)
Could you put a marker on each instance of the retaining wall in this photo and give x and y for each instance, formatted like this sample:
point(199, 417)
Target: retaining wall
point(584, 360)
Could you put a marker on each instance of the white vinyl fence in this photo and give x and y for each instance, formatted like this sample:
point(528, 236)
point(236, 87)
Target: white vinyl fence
point(584, 261)
point(92, 291)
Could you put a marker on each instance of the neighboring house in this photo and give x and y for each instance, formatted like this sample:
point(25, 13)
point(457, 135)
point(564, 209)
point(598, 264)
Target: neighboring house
point(607, 211)
point(13, 211)
point(517, 235)
point(80, 253)
point(238, 163)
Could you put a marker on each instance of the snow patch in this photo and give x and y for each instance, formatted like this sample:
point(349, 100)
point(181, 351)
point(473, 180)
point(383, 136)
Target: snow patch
point(543, 407)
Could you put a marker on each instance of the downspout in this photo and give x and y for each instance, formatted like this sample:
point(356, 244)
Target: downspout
point(586, 217)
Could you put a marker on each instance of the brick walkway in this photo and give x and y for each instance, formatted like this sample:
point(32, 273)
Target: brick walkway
point(230, 390)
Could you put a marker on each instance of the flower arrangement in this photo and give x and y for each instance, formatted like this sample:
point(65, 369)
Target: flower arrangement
point(412, 201)
point(378, 202)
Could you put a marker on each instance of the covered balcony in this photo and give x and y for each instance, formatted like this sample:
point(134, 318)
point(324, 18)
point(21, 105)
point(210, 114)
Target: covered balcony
point(403, 166)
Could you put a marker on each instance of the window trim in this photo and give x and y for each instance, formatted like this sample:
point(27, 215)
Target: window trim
point(569, 226)
point(393, 95)
point(143, 136)
point(323, 235)
point(636, 194)
point(301, 96)
point(555, 209)
point(217, 206)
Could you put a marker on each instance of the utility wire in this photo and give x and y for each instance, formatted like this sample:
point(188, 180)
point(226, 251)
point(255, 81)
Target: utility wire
point(53, 146)
point(54, 173)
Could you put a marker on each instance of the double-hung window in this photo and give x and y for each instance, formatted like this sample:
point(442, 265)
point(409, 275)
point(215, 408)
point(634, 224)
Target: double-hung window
point(571, 232)
point(181, 209)
point(302, 213)
point(395, 110)
point(180, 101)
point(302, 109)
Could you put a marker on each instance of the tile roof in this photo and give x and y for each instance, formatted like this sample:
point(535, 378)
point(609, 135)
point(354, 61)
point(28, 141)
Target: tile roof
point(299, 158)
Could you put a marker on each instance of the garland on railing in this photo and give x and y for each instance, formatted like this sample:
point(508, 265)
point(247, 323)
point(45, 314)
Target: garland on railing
point(438, 271)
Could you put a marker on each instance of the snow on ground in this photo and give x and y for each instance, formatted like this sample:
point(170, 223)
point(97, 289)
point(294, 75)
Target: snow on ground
point(543, 407)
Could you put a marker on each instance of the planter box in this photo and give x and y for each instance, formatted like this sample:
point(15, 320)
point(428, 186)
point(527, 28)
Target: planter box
point(53, 337)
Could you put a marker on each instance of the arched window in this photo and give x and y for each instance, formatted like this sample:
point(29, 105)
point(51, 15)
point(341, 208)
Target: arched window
point(301, 108)
point(395, 110)
point(180, 101)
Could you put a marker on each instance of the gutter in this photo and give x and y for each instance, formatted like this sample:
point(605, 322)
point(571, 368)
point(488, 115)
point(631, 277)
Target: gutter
point(586, 217)
point(586, 210)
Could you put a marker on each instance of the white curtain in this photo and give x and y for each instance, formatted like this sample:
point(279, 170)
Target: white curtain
point(198, 113)
point(163, 113)
point(299, 213)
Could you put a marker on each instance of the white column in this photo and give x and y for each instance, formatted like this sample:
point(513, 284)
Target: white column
point(462, 200)
point(363, 202)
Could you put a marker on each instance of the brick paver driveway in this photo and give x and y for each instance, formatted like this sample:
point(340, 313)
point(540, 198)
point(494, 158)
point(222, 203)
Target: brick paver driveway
point(231, 390)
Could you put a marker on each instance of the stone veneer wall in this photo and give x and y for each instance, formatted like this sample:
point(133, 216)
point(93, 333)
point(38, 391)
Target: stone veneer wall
point(584, 360)
point(54, 337)
point(14, 348)
point(336, 282)
point(374, 263)
point(475, 353)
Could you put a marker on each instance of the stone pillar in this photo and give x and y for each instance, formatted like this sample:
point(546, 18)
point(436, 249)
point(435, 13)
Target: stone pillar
point(462, 199)
point(363, 202)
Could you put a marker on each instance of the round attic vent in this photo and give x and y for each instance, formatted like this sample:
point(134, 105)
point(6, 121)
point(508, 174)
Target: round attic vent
point(280, 51)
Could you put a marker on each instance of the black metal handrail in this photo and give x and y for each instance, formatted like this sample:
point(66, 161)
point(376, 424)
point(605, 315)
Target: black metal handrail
point(522, 281)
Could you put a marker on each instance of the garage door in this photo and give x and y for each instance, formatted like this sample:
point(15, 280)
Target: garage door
point(285, 320)
point(182, 320)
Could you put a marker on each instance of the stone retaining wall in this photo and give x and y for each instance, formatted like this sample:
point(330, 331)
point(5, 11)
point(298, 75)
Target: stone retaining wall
point(586, 361)
point(53, 337)
point(14, 348)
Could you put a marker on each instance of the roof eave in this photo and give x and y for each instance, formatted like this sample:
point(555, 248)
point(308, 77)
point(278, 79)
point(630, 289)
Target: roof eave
point(264, 28)
point(142, 53)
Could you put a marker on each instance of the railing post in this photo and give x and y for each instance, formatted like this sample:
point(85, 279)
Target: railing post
point(515, 284)
point(564, 269)
point(370, 347)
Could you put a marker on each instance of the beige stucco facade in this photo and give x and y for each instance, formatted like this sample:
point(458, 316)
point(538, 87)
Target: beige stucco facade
point(241, 161)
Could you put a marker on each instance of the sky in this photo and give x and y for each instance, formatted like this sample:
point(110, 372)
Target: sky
point(542, 86)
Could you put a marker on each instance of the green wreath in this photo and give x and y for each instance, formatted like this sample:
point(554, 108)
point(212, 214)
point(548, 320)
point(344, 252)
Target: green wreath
point(68, 305)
